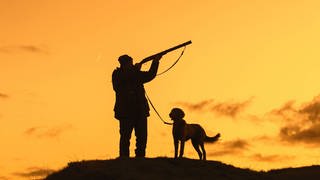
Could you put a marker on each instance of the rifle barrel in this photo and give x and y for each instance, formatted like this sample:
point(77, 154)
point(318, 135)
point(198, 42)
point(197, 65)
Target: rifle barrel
point(165, 52)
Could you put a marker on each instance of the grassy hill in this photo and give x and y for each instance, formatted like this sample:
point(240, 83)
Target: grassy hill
point(167, 169)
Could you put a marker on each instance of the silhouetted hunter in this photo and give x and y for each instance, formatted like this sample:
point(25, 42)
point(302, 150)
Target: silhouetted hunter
point(131, 106)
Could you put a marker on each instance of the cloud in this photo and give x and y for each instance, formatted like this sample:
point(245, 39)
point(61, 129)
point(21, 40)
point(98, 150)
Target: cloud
point(4, 96)
point(285, 111)
point(23, 48)
point(231, 147)
point(34, 172)
point(230, 109)
point(237, 144)
point(196, 106)
point(264, 139)
point(312, 110)
point(309, 135)
point(42, 132)
point(270, 158)
point(4, 178)
point(301, 122)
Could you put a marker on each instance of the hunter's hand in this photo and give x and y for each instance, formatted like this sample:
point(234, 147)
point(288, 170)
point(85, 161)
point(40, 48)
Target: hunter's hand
point(138, 66)
point(157, 58)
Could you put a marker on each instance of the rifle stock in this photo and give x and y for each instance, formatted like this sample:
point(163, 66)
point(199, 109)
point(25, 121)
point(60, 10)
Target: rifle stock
point(164, 52)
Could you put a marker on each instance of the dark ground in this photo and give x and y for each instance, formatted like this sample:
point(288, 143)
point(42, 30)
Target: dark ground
point(169, 169)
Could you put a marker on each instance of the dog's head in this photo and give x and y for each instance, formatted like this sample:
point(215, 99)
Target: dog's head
point(176, 114)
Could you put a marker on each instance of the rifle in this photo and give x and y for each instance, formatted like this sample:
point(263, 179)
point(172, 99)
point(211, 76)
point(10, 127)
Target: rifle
point(164, 52)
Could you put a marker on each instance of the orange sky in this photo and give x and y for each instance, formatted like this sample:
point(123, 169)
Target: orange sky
point(251, 70)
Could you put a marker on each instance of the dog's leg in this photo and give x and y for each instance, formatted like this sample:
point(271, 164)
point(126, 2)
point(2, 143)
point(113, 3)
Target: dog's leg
point(196, 147)
point(203, 151)
point(176, 146)
point(181, 148)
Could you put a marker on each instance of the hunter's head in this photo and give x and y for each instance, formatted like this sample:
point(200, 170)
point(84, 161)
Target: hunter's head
point(125, 61)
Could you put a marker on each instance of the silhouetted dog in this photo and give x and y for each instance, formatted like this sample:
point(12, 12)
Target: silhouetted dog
point(182, 132)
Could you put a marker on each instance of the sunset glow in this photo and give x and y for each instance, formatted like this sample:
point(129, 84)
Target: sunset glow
point(250, 74)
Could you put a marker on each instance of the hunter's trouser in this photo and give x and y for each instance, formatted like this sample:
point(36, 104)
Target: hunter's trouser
point(139, 124)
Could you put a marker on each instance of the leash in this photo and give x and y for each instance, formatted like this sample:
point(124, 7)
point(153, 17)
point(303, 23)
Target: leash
point(155, 110)
point(149, 100)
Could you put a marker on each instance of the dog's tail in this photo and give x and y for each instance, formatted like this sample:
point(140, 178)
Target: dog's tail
point(212, 139)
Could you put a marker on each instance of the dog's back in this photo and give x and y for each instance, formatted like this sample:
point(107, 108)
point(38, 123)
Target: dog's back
point(195, 132)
